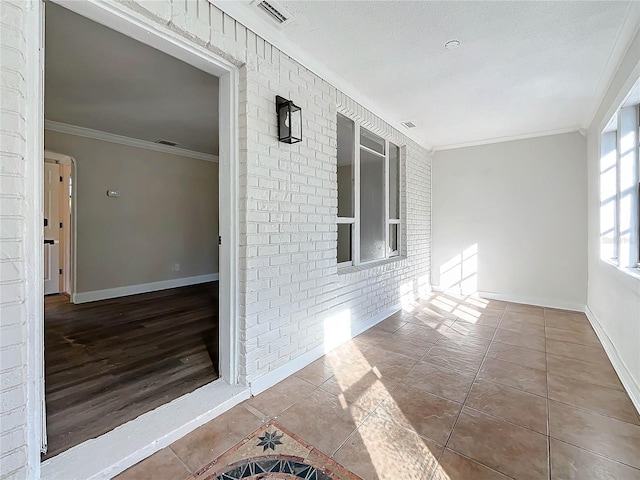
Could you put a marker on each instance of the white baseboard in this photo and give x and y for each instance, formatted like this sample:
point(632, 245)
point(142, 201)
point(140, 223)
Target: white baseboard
point(269, 379)
point(629, 383)
point(537, 301)
point(84, 297)
point(109, 454)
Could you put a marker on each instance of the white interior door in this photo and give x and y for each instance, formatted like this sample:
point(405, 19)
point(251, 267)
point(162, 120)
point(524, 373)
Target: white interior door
point(51, 228)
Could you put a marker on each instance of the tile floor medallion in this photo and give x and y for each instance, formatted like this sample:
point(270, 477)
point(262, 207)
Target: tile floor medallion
point(273, 453)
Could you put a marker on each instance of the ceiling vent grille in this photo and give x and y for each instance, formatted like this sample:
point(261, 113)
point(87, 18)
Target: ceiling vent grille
point(167, 142)
point(275, 12)
point(409, 124)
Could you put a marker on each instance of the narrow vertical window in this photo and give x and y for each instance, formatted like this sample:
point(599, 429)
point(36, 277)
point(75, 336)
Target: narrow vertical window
point(346, 189)
point(394, 199)
point(372, 197)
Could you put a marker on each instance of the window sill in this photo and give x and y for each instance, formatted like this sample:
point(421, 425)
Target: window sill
point(628, 272)
point(369, 266)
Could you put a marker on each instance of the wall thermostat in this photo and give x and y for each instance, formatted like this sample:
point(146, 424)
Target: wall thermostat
point(113, 193)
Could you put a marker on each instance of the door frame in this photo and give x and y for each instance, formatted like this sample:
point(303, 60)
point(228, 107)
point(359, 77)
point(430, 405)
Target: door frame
point(225, 390)
point(55, 190)
point(69, 266)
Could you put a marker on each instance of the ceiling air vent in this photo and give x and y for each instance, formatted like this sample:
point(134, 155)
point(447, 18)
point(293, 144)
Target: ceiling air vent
point(409, 124)
point(167, 142)
point(275, 12)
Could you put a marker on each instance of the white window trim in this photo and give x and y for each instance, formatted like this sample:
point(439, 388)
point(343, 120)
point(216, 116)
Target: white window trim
point(355, 220)
point(633, 252)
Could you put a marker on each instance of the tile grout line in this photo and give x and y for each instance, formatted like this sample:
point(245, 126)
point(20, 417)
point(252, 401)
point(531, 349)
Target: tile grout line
point(455, 423)
point(276, 415)
point(362, 423)
point(181, 461)
point(388, 395)
point(474, 461)
point(444, 446)
point(546, 379)
point(357, 427)
point(492, 415)
point(549, 436)
point(492, 341)
point(597, 454)
point(417, 361)
point(584, 409)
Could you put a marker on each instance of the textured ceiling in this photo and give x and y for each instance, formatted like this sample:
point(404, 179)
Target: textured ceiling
point(522, 68)
point(98, 78)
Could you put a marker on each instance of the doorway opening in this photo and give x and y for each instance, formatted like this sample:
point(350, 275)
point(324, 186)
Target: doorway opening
point(132, 322)
point(58, 205)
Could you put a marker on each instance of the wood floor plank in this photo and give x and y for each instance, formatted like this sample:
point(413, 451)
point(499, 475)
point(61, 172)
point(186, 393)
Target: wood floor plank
point(108, 362)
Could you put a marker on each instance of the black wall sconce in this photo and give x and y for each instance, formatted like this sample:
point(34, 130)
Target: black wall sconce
point(289, 121)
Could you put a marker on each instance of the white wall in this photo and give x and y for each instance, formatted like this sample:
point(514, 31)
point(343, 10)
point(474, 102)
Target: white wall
point(613, 296)
point(17, 310)
point(523, 204)
point(167, 213)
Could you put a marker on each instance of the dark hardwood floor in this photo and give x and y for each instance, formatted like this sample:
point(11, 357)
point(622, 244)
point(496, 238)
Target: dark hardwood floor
point(110, 361)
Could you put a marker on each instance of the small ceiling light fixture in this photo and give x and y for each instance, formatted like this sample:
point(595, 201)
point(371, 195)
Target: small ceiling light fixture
point(289, 120)
point(451, 44)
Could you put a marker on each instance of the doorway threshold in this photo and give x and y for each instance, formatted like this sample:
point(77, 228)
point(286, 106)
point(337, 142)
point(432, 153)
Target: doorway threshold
point(109, 454)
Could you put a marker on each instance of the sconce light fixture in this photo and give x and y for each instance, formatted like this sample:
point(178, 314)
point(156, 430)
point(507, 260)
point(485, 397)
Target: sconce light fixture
point(289, 121)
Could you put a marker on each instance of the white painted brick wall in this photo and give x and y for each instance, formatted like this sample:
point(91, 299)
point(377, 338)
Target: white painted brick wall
point(13, 333)
point(288, 280)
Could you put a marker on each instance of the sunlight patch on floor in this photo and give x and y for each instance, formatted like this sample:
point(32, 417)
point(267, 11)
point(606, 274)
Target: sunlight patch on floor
point(379, 448)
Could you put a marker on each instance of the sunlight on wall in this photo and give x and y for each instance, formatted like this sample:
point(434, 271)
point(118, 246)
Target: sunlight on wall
point(627, 198)
point(406, 296)
point(608, 187)
point(424, 286)
point(460, 273)
point(337, 329)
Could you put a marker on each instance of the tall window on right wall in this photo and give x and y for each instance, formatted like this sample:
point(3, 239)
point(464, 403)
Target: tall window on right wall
point(620, 187)
point(368, 195)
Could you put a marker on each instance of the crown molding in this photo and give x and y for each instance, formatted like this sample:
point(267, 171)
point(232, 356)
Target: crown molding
point(248, 16)
point(128, 141)
point(489, 141)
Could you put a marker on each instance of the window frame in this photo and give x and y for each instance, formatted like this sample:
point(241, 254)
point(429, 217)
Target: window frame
point(355, 221)
point(625, 254)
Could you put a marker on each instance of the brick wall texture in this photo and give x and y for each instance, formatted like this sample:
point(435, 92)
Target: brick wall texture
point(13, 194)
point(289, 283)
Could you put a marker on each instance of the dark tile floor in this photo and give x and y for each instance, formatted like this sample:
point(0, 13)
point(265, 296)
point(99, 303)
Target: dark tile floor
point(452, 388)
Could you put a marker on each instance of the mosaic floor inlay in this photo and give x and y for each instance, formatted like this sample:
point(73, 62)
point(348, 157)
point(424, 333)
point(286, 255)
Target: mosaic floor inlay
point(273, 453)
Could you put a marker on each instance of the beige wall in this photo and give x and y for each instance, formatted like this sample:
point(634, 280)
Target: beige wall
point(167, 213)
point(521, 204)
